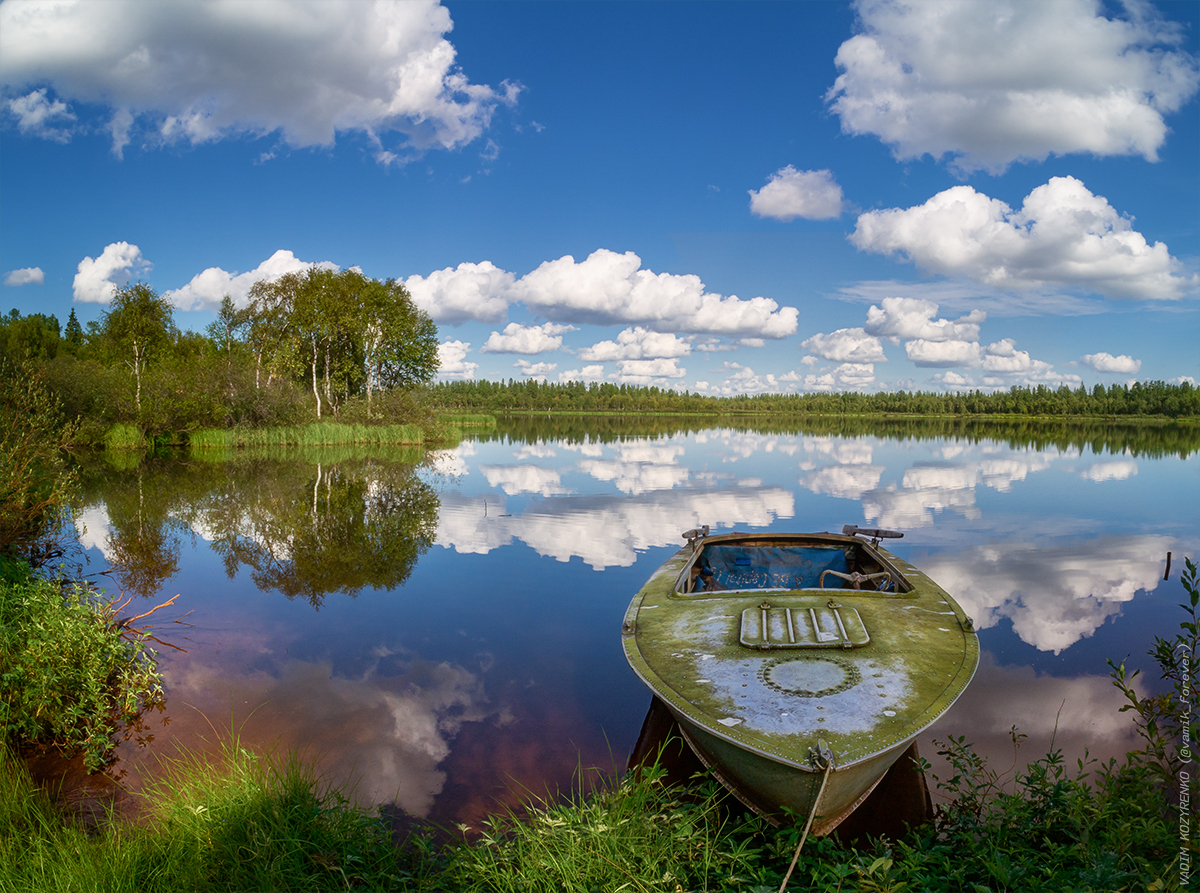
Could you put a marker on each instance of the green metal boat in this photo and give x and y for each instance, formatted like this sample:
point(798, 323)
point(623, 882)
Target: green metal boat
point(799, 666)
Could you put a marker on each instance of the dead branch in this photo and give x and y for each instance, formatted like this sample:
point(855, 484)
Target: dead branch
point(125, 623)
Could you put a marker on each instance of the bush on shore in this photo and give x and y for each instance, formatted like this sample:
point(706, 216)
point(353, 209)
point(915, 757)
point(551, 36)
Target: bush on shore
point(69, 674)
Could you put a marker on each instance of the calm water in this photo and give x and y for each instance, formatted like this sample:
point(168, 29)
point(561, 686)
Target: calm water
point(445, 628)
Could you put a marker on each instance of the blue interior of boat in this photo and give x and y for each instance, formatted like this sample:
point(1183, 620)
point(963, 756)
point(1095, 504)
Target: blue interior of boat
point(767, 567)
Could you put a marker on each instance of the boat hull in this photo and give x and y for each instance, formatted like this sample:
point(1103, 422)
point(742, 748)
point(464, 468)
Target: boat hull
point(798, 688)
point(776, 790)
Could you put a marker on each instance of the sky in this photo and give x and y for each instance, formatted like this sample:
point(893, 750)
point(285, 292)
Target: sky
point(723, 198)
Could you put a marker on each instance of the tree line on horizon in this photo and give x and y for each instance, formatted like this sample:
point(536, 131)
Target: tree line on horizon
point(1143, 399)
point(305, 345)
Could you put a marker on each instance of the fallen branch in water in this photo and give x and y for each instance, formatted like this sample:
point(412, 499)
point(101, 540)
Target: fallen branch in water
point(125, 624)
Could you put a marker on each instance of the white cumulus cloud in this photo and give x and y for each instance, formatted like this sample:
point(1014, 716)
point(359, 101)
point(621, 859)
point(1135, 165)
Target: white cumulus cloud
point(845, 377)
point(992, 83)
point(197, 71)
point(25, 276)
point(846, 345)
point(466, 292)
point(535, 370)
point(207, 288)
point(943, 353)
point(648, 372)
point(1106, 362)
point(637, 344)
point(1002, 356)
point(452, 360)
point(791, 193)
point(517, 338)
point(612, 289)
point(999, 358)
point(98, 279)
point(913, 318)
point(1063, 235)
point(587, 374)
point(38, 116)
point(1120, 470)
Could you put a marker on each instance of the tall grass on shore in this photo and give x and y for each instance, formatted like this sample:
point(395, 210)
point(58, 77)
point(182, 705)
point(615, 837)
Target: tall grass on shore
point(236, 822)
point(312, 455)
point(468, 419)
point(124, 437)
point(315, 434)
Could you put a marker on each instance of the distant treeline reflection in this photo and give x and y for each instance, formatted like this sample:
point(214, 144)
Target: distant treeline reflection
point(302, 525)
point(1145, 438)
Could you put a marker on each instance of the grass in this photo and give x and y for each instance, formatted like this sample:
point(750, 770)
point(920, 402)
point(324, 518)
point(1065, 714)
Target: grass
point(246, 822)
point(124, 437)
point(468, 419)
point(239, 822)
point(315, 434)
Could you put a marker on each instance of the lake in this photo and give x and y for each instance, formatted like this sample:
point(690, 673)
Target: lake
point(444, 627)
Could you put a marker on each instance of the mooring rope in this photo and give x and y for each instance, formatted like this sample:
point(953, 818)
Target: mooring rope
point(828, 760)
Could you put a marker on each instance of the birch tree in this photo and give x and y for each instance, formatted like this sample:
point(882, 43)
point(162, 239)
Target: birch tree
point(139, 323)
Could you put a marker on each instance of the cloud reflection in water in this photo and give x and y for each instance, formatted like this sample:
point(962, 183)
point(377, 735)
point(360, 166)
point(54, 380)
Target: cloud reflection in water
point(1054, 595)
point(605, 531)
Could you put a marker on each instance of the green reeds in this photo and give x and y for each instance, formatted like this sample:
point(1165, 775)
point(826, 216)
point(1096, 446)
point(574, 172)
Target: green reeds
point(468, 419)
point(124, 437)
point(313, 435)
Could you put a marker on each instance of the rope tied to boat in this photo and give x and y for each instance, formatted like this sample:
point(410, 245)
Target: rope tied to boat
point(822, 757)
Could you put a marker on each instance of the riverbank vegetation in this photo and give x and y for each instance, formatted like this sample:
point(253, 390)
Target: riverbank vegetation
point(70, 674)
point(308, 346)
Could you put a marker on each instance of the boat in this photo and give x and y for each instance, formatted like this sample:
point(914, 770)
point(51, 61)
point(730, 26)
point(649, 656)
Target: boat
point(799, 666)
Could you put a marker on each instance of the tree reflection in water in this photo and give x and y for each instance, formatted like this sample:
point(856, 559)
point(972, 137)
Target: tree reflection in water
point(307, 524)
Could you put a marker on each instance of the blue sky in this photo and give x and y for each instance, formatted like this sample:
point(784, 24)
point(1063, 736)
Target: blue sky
point(722, 197)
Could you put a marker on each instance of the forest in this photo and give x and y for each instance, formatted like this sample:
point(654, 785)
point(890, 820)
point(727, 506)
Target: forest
point(306, 346)
point(1148, 399)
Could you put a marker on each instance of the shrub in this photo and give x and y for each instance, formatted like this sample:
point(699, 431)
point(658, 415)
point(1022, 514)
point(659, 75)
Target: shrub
point(68, 673)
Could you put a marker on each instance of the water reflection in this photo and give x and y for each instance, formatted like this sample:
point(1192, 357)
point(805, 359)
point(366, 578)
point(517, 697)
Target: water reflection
point(466, 674)
point(1056, 594)
point(303, 529)
point(604, 531)
point(388, 727)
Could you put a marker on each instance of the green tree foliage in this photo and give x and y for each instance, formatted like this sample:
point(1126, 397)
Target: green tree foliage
point(342, 332)
point(34, 480)
point(1154, 398)
point(399, 339)
point(31, 337)
point(139, 324)
point(231, 320)
point(72, 337)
